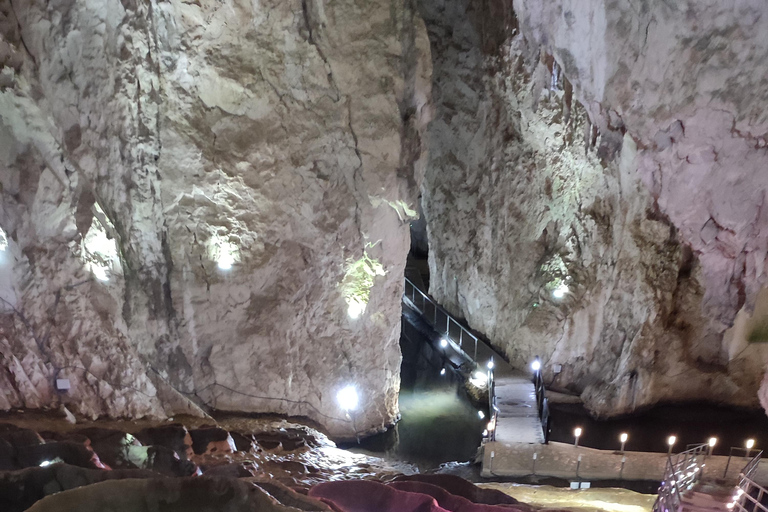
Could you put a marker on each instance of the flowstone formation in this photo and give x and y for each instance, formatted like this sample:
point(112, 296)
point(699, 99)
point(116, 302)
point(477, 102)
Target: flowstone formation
point(185, 188)
point(568, 184)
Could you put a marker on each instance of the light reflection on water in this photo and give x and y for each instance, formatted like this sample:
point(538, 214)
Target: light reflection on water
point(438, 424)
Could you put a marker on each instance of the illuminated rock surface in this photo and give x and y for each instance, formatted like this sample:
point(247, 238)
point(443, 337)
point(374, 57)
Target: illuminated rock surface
point(207, 204)
point(594, 191)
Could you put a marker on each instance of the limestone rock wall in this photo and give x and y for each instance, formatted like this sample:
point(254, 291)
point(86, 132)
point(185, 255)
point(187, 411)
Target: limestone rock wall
point(558, 224)
point(207, 204)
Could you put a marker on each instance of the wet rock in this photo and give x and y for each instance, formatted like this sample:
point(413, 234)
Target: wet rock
point(201, 494)
point(115, 447)
point(174, 436)
point(231, 470)
point(19, 490)
point(66, 436)
point(287, 439)
point(21, 437)
point(461, 487)
point(244, 443)
point(167, 462)
point(7, 456)
point(75, 454)
point(212, 441)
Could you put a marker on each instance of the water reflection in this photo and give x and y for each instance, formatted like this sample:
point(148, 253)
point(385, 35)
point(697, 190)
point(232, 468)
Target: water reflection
point(439, 422)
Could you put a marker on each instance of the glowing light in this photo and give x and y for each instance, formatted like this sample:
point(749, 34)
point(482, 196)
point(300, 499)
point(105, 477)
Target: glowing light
point(671, 440)
point(481, 415)
point(443, 343)
point(730, 505)
point(225, 261)
point(347, 398)
point(750, 444)
point(577, 432)
point(490, 364)
point(45, 463)
point(442, 371)
point(560, 291)
point(491, 426)
point(355, 309)
point(712, 442)
point(623, 437)
point(536, 365)
point(479, 379)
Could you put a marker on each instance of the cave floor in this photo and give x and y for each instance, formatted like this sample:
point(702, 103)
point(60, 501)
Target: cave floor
point(582, 500)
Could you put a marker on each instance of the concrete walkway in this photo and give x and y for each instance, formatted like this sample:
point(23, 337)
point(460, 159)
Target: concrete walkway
point(561, 460)
point(518, 420)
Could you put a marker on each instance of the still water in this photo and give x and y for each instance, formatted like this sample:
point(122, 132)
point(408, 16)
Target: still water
point(648, 430)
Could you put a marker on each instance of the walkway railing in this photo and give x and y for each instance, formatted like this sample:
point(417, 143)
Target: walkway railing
point(444, 323)
point(542, 403)
point(440, 319)
point(682, 471)
point(750, 495)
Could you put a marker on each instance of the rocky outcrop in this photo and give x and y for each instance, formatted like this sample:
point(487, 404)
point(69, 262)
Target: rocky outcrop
point(206, 204)
point(573, 164)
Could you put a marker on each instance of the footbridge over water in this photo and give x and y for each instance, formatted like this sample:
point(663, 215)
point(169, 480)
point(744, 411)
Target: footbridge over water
point(517, 403)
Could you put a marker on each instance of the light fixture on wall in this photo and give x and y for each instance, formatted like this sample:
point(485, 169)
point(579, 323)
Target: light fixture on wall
point(347, 398)
point(576, 435)
point(560, 291)
point(443, 342)
point(225, 261)
point(355, 309)
point(224, 252)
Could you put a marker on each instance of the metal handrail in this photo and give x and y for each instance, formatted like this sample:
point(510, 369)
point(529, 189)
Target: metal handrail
point(746, 451)
point(542, 403)
point(421, 305)
point(681, 472)
point(420, 300)
point(750, 494)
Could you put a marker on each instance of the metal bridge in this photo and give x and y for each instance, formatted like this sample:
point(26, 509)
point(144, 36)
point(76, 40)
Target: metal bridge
point(516, 401)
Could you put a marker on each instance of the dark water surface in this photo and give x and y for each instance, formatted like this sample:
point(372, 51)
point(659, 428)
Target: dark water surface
point(439, 423)
point(648, 430)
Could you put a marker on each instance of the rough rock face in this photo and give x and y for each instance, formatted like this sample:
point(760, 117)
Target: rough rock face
point(568, 184)
point(206, 203)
